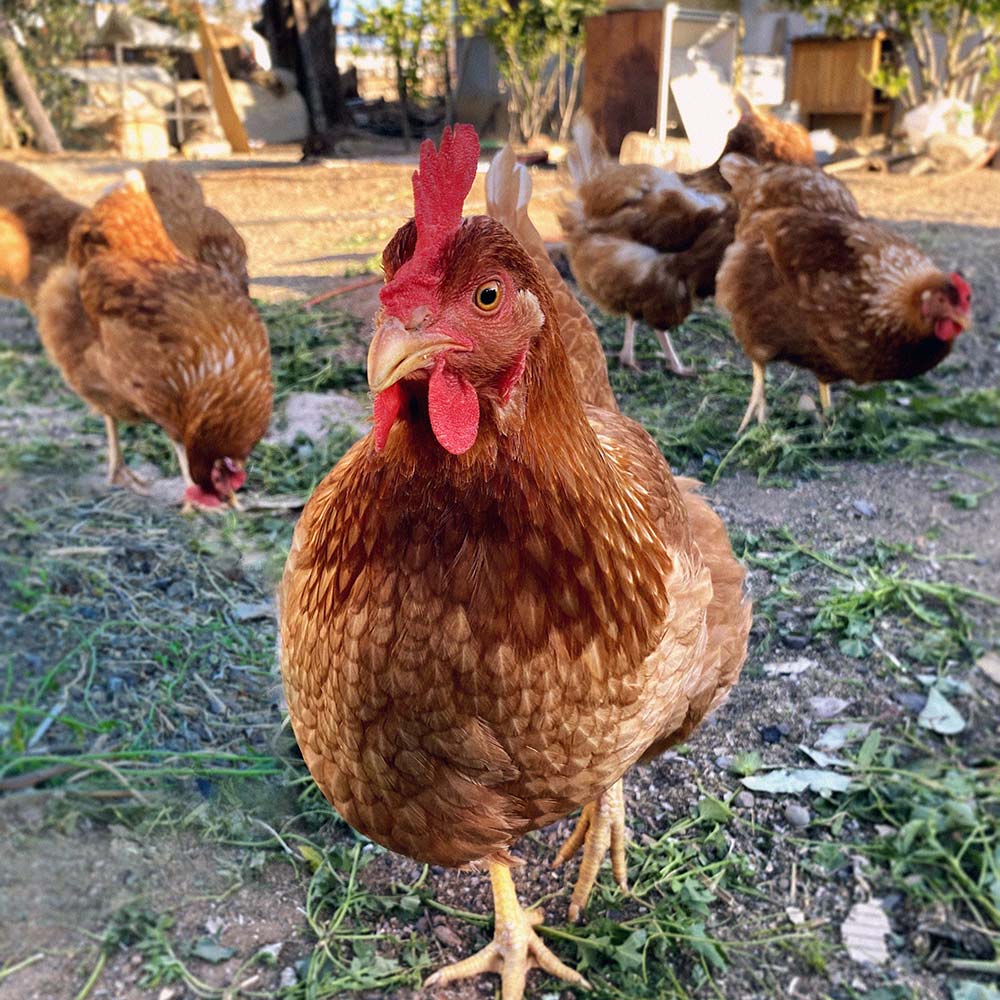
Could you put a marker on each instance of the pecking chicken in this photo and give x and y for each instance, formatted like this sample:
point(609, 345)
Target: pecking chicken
point(45, 219)
point(198, 230)
point(141, 332)
point(645, 242)
point(809, 281)
point(500, 599)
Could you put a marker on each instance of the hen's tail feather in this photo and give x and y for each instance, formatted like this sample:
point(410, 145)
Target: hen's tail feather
point(589, 156)
point(508, 193)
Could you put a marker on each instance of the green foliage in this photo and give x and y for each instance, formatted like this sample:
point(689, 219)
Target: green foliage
point(535, 43)
point(54, 33)
point(970, 31)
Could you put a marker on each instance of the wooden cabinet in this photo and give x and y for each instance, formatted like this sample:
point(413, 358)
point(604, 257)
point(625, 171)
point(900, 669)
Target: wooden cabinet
point(829, 78)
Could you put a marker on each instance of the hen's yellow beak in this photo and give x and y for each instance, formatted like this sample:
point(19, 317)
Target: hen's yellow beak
point(396, 351)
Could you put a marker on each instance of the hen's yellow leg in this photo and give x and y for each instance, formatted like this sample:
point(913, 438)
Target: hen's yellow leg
point(825, 400)
point(600, 828)
point(119, 474)
point(515, 947)
point(674, 362)
point(627, 354)
point(757, 405)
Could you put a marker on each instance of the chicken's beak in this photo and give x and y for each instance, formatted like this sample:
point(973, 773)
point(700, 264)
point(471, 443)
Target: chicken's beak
point(396, 351)
point(234, 501)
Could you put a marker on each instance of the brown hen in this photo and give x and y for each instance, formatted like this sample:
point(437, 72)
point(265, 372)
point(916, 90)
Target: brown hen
point(646, 243)
point(141, 332)
point(500, 599)
point(809, 281)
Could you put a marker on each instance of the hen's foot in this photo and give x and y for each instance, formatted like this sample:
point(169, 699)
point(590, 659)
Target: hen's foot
point(515, 947)
point(123, 476)
point(600, 828)
point(674, 363)
point(758, 402)
point(628, 361)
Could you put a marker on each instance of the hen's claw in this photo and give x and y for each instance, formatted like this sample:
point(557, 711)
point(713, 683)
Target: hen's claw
point(123, 476)
point(600, 828)
point(515, 947)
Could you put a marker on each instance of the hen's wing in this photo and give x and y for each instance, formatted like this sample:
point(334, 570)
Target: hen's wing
point(695, 534)
point(177, 341)
point(761, 188)
point(508, 193)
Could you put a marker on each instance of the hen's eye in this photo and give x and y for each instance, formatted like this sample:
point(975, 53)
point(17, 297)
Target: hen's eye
point(488, 296)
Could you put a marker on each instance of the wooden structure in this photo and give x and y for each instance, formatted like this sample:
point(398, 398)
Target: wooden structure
point(830, 77)
point(212, 69)
point(633, 50)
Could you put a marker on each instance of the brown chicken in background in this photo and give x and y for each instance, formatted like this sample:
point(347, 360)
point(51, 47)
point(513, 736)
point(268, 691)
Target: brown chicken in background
point(646, 243)
point(809, 281)
point(500, 599)
point(198, 230)
point(45, 217)
point(141, 332)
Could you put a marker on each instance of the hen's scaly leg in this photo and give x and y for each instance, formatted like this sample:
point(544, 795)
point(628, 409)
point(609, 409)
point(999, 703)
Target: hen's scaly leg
point(674, 362)
point(601, 827)
point(627, 354)
point(757, 404)
point(182, 461)
point(515, 947)
point(119, 474)
point(825, 400)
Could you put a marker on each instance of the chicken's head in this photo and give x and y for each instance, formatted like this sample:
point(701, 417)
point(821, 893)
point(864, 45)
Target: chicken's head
point(945, 304)
point(461, 307)
point(215, 484)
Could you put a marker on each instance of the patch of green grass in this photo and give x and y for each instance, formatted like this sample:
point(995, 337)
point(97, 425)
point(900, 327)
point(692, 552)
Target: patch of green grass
point(873, 590)
point(929, 818)
point(694, 420)
point(28, 378)
point(313, 351)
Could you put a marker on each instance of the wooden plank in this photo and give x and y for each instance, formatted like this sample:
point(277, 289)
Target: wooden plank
point(213, 69)
point(622, 72)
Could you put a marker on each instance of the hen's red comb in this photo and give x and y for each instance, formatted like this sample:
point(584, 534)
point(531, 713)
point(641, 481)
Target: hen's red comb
point(440, 187)
point(963, 289)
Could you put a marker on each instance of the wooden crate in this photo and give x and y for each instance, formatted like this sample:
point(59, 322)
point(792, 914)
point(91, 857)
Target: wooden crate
point(828, 78)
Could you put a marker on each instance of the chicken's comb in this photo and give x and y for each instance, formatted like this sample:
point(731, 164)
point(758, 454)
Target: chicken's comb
point(440, 187)
point(963, 289)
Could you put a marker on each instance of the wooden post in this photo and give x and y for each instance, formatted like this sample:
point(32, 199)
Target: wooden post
point(217, 80)
point(45, 134)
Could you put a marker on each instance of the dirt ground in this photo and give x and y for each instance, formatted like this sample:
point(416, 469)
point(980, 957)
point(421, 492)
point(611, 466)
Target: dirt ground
point(148, 864)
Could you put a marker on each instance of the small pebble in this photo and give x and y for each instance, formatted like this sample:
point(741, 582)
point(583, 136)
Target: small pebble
point(798, 816)
point(912, 700)
point(864, 508)
point(794, 640)
point(724, 761)
point(447, 936)
point(288, 978)
point(745, 799)
point(770, 734)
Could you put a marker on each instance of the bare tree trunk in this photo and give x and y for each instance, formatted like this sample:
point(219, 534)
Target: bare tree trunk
point(404, 105)
point(8, 133)
point(45, 134)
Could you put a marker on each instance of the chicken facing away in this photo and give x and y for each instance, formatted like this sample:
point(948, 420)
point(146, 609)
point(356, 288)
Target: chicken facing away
point(809, 281)
point(500, 599)
point(141, 332)
point(645, 242)
point(45, 218)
